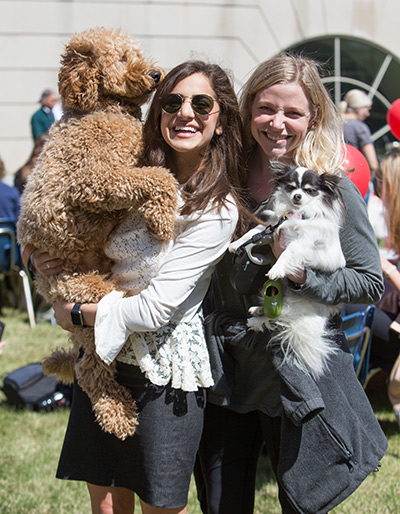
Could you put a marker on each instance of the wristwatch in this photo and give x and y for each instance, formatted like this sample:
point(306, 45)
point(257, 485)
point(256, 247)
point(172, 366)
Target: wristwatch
point(76, 316)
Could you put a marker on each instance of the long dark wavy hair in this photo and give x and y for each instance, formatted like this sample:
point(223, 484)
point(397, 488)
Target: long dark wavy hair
point(221, 171)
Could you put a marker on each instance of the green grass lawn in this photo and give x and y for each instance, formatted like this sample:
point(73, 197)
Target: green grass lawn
point(30, 443)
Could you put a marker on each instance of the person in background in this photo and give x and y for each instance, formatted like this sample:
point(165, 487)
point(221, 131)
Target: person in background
point(355, 109)
point(287, 116)
point(57, 110)
point(9, 197)
point(193, 128)
point(385, 347)
point(43, 118)
point(43, 310)
point(22, 174)
point(10, 207)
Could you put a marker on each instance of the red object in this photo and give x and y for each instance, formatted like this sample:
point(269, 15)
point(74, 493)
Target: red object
point(361, 174)
point(393, 118)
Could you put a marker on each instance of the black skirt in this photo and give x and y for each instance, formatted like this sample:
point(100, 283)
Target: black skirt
point(157, 461)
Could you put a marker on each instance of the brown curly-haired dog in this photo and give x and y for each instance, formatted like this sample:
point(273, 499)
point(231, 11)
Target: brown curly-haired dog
point(88, 177)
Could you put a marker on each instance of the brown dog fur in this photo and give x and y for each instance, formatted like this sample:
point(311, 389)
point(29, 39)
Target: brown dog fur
point(88, 177)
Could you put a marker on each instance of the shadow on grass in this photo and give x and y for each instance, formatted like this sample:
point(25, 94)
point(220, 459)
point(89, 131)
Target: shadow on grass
point(384, 412)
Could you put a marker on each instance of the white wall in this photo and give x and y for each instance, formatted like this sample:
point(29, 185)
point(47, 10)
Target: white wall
point(237, 34)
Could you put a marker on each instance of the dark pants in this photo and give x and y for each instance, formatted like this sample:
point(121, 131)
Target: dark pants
point(385, 346)
point(385, 343)
point(226, 465)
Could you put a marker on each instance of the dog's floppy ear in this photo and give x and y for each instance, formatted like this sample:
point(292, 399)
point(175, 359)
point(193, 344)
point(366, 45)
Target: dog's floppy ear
point(78, 79)
point(329, 182)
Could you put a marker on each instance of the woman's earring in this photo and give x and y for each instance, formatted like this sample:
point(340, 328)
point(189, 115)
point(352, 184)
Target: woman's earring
point(218, 131)
point(314, 122)
point(313, 125)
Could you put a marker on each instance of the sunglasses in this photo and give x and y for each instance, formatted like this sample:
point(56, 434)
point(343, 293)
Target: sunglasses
point(201, 104)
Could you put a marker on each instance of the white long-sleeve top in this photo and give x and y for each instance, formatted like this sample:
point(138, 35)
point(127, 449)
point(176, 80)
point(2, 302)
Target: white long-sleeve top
point(160, 328)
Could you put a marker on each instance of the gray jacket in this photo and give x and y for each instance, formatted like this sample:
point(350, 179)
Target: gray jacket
point(331, 439)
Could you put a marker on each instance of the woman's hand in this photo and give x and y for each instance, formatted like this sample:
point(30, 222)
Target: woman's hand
point(45, 264)
point(277, 248)
point(62, 314)
point(386, 265)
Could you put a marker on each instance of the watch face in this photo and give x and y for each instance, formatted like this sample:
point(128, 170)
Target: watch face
point(76, 316)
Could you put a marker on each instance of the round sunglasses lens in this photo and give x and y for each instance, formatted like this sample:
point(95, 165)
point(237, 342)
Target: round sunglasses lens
point(172, 103)
point(202, 104)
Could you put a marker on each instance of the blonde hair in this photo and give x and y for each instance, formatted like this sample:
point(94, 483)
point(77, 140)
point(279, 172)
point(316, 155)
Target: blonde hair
point(354, 99)
point(321, 149)
point(390, 171)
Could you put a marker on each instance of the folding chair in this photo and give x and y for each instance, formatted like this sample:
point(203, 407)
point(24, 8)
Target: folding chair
point(11, 263)
point(357, 328)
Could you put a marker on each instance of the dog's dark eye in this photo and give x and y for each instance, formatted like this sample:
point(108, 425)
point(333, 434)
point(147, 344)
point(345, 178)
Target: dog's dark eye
point(312, 191)
point(289, 188)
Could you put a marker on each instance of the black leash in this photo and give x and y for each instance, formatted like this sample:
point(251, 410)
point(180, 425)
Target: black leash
point(264, 237)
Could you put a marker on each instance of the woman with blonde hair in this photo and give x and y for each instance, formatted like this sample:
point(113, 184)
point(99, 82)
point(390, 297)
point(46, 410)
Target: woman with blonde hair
point(355, 109)
point(385, 349)
point(288, 116)
point(389, 175)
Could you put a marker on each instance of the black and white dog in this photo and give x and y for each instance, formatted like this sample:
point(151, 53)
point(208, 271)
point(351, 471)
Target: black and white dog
point(307, 210)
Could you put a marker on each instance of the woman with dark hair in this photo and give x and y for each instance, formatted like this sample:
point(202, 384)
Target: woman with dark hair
point(221, 159)
point(22, 174)
point(157, 337)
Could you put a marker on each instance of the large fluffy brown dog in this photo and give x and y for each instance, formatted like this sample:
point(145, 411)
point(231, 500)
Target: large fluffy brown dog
point(87, 179)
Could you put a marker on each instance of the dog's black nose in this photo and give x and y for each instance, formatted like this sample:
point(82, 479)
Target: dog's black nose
point(155, 75)
point(297, 198)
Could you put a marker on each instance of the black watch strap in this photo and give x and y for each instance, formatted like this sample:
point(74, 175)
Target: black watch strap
point(76, 316)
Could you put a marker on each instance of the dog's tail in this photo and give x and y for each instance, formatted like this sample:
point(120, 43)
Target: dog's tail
point(305, 340)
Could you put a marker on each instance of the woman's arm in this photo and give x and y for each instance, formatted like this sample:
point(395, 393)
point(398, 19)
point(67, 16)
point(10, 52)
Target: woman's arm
point(62, 314)
point(391, 272)
point(179, 287)
point(193, 255)
point(361, 279)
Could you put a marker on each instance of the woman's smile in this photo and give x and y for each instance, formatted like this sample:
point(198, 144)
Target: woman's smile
point(185, 130)
point(275, 138)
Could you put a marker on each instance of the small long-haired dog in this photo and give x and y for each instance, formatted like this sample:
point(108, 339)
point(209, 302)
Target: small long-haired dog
point(307, 210)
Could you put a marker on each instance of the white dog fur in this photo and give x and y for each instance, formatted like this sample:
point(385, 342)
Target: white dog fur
point(313, 211)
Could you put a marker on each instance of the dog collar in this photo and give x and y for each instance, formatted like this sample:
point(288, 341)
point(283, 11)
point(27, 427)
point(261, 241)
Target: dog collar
point(291, 214)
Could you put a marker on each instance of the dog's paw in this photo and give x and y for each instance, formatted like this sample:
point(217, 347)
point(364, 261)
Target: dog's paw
point(256, 311)
point(276, 272)
point(117, 416)
point(258, 324)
